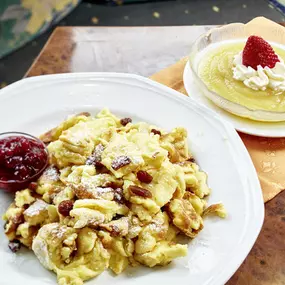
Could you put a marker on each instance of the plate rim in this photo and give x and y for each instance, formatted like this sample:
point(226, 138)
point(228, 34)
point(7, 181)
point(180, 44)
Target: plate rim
point(252, 131)
point(253, 183)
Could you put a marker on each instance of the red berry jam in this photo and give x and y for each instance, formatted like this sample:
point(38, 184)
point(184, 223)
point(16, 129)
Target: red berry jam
point(22, 159)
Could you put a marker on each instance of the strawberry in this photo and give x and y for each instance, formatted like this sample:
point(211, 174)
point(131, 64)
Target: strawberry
point(257, 51)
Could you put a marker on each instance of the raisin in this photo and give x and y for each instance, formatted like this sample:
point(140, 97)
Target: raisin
point(138, 191)
point(99, 165)
point(191, 159)
point(144, 177)
point(65, 207)
point(125, 121)
point(119, 196)
point(26, 206)
point(135, 239)
point(156, 132)
point(96, 157)
point(117, 217)
point(115, 231)
point(33, 186)
point(120, 161)
point(14, 245)
point(189, 189)
point(18, 219)
point(164, 208)
point(82, 192)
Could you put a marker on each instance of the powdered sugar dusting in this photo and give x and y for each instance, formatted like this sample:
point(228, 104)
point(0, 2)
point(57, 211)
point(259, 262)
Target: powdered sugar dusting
point(41, 251)
point(96, 157)
point(120, 161)
point(59, 232)
point(40, 245)
point(155, 227)
point(51, 173)
point(90, 188)
point(100, 190)
point(88, 191)
point(36, 208)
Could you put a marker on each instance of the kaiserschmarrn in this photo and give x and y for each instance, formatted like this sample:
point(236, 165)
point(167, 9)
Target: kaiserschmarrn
point(115, 193)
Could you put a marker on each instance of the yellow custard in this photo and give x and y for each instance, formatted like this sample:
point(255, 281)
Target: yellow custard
point(215, 70)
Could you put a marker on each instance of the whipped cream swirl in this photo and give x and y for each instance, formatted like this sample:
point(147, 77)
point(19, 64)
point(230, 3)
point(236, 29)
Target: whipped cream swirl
point(262, 78)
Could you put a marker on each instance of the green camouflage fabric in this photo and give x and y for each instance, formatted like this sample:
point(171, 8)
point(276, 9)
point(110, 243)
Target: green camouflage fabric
point(23, 20)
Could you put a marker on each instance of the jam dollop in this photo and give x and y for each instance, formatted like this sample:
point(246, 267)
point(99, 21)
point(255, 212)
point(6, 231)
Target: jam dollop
point(21, 158)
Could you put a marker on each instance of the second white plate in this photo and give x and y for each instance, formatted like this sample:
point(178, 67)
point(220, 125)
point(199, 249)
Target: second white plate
point(241, 124)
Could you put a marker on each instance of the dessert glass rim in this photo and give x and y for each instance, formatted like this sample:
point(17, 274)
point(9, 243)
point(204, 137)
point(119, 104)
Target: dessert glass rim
point(233, 31)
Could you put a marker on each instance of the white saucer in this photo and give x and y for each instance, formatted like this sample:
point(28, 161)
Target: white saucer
point(241, 124)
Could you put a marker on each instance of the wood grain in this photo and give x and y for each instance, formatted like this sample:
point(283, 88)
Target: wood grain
point(265, 263)
point(138, 50)
point(56, 54)
point(125, 49)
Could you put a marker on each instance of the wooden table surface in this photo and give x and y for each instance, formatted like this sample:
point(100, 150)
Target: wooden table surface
point(144, 51)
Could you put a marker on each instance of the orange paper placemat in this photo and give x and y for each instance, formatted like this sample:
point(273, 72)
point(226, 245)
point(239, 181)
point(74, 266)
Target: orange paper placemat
point(267, 154)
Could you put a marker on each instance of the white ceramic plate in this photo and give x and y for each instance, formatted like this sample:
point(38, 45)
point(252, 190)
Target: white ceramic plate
point(34, 105)
point(241, 124)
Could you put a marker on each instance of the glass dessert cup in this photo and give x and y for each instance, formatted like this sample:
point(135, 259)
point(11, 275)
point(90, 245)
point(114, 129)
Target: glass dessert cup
point(13, 185)
point(237, 32)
